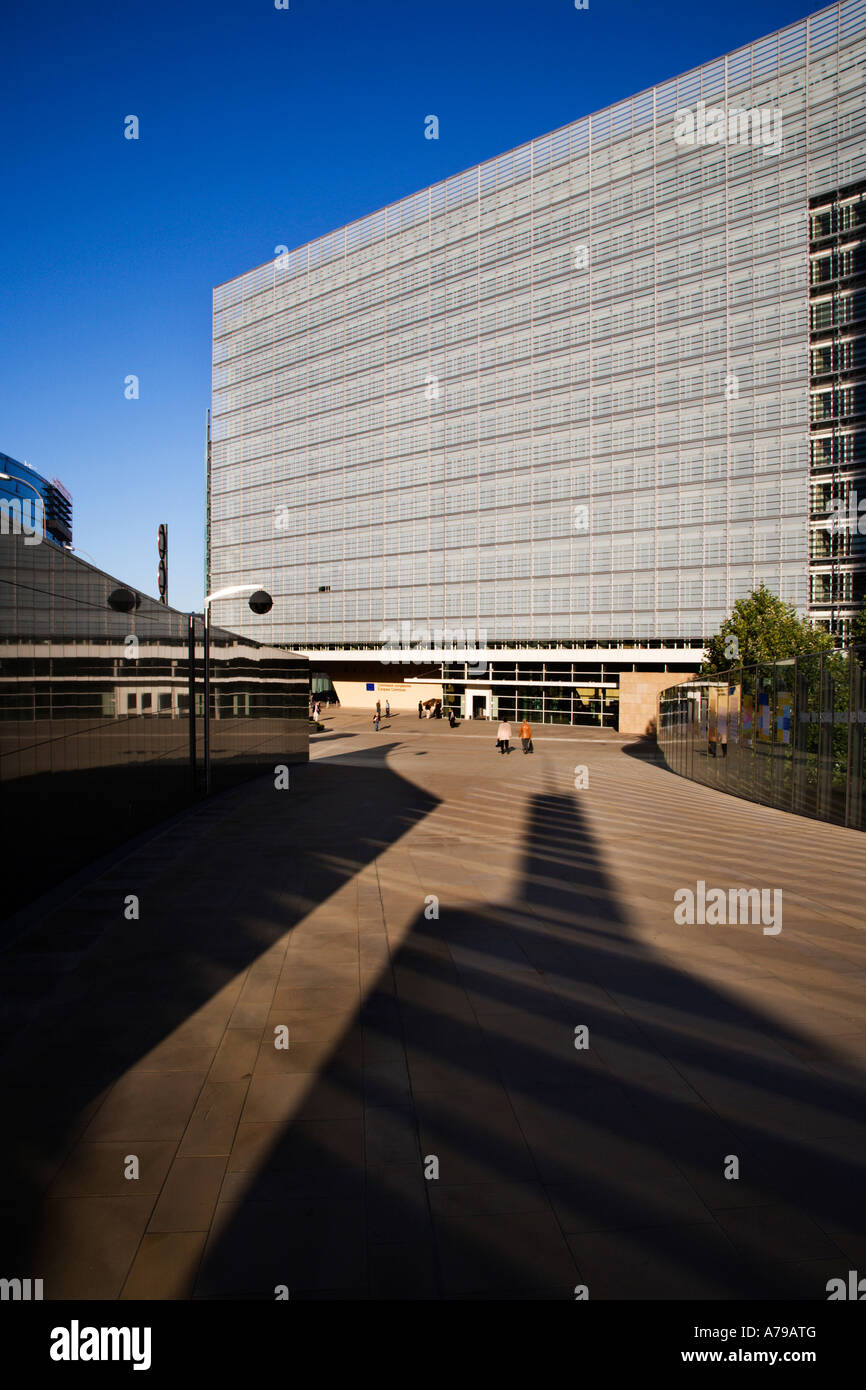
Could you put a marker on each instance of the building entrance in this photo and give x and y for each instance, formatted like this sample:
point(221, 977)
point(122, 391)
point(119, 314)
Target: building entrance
point(478, 704)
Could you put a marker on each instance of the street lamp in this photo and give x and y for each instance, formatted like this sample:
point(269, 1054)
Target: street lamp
point(75, 550)
point(260, 601)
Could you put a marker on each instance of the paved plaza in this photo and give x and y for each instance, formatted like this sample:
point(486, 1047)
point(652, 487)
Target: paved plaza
point(432, 927)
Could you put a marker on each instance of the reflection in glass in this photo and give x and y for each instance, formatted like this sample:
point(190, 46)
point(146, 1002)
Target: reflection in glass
point(790, 734)
point(94, 712)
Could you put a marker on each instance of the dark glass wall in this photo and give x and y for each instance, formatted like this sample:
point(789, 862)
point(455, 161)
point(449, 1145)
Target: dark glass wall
point(95, 713)
point(790, 734)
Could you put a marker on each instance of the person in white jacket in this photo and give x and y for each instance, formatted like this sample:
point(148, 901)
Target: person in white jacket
point(503, 737)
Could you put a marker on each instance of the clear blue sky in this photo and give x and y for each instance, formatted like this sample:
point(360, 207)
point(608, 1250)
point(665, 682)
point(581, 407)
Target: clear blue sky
point(258, 127)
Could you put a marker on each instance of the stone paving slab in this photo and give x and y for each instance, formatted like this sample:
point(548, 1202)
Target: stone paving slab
point(336, 1049)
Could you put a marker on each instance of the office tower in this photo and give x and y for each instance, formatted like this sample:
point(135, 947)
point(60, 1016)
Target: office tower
point(557, 407)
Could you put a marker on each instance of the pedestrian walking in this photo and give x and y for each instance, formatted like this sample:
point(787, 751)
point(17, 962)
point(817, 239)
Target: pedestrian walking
point(376, 718)
point(387, 709)
point(379, 708)
point(526, 736)
point(420, 710)
point(451, 720)
point(503, 737)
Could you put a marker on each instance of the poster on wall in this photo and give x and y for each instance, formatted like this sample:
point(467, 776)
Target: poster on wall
point(748, 718)
point(784, 702)
point(764, 716)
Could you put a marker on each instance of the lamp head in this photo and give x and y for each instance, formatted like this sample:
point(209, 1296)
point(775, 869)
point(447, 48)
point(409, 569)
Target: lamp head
point(123, 600)
point(261, 601)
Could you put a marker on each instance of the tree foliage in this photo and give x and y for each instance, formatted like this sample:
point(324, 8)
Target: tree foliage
point(762, 627)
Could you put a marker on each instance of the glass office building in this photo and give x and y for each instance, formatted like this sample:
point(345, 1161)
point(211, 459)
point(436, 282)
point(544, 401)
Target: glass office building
point(560, 403)
point(29, 502)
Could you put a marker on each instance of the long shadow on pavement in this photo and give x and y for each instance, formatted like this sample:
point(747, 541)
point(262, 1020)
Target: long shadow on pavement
point(116, 1057)
point(456, 1143)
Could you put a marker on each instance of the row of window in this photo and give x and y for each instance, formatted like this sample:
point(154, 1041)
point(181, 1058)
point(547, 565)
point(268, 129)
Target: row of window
point(635, 431)
point(319, 480)
point(730, 379)
point(638, 550)
point(323, 616)
point(397, 588)
point(674, 626)
point(579, 285)
point(320, 476)
point(828, 403)
point(265, 516)
point(596, 280)
point(769, 322)
point(431, 393)
point(354, 376)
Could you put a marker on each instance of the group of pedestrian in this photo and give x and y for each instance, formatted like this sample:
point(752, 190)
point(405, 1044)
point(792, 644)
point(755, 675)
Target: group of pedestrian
point(377, 713)
point(432, 709)
point(316, 707)
point(503, 737)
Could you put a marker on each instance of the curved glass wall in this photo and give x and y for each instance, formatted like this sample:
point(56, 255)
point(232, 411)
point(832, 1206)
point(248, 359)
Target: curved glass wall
point(790, 734)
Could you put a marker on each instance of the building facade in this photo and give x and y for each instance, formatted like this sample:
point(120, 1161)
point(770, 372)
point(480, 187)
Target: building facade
point(837, 363)
point(102, 712)
point(30, 501)
point(555, 411)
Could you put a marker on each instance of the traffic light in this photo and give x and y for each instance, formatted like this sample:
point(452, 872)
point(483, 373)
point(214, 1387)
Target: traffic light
point(162, 573)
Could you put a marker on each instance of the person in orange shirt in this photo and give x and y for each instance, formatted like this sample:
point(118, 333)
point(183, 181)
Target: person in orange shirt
point(525, 737)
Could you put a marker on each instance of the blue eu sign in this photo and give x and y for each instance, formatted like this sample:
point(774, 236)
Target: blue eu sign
point(371, 685)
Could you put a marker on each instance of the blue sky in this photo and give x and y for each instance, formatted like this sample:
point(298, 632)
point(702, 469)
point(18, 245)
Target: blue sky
point(258, 127)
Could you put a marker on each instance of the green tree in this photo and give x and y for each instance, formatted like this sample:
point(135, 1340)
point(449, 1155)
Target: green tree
point(858, 628)
point(762, 627)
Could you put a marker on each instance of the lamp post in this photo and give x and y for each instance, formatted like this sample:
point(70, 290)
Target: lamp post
point(87, 556)
point(260, 601)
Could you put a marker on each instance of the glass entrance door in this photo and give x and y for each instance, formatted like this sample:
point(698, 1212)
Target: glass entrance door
point(478, 704)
